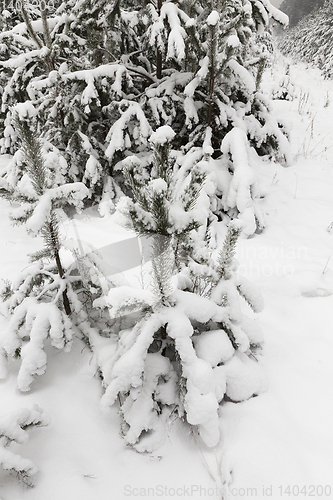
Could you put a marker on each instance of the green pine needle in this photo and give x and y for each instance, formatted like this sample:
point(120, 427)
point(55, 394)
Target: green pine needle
point(226, 255)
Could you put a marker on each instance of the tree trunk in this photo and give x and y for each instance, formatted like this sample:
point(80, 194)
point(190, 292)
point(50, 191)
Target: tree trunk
point(211, 77)
point(159, 60)
point(65, 299)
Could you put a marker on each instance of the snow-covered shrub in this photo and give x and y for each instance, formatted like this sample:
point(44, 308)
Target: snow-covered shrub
point(31, 323)
point(241, 193)
point(184, 357)
point(34, 306)
point(13, 429)
point(285, 87)
point(189, 345)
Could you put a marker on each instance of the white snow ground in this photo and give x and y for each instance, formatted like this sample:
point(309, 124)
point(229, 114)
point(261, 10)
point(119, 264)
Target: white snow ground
point(279, 440)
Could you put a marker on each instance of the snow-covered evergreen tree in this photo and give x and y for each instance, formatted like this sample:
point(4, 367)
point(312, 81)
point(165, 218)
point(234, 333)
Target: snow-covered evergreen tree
point(193, 66)
point(36, 48)
point(164, 208)
point(311, 40)
point(297, 11)
point(26, 53)
point(186, 344)
point(44, 301)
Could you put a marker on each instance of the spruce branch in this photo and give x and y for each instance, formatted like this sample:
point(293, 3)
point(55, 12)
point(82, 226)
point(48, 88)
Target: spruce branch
point(226, 255)
point(32, 152)
point(160, 213)
point(30, 29)
point(192, 192)
point(47, 36)
point(162, 162)
point(45, 253)
point(46, 28)
point(135, 179)
point(226, 326)
point(6, 290)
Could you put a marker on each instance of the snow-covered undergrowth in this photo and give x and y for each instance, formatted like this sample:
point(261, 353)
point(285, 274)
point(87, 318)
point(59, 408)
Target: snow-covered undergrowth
point(282, 438)
point(13, 430)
